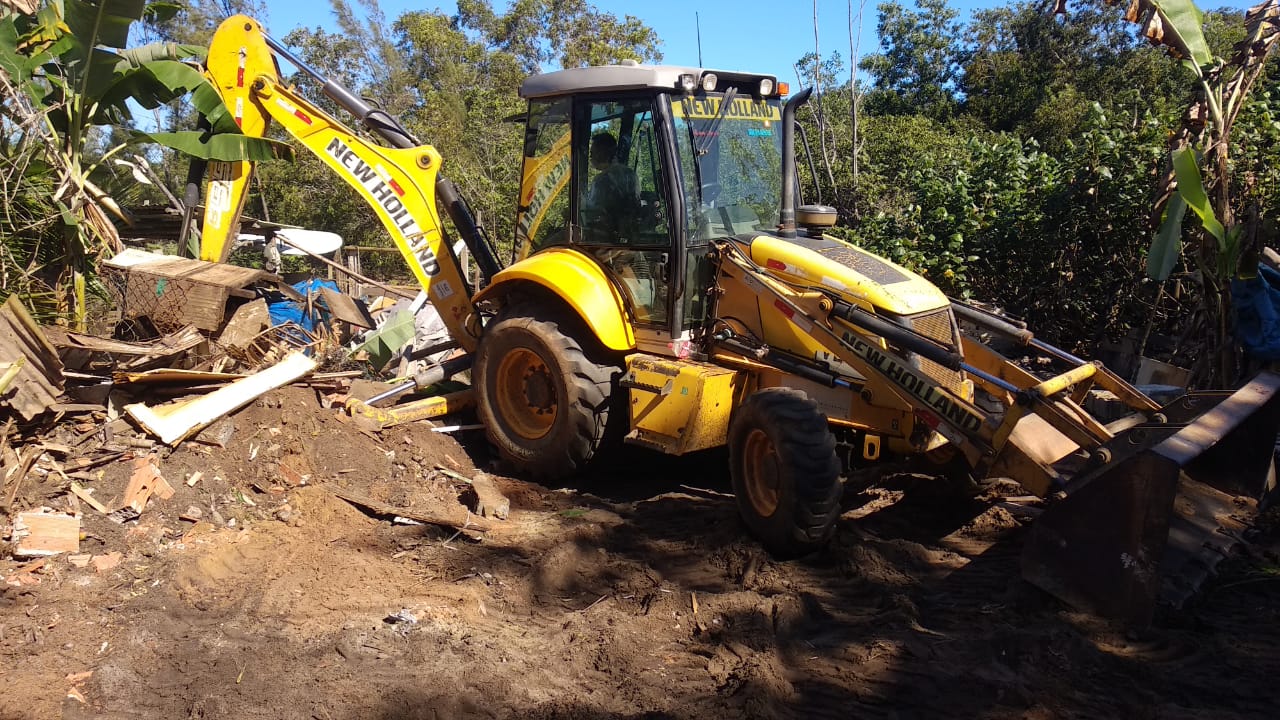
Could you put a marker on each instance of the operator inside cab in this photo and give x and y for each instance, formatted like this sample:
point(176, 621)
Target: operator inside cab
point(613, 202)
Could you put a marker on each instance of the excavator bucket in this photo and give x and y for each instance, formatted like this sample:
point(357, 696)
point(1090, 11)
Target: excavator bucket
point(1162, 505)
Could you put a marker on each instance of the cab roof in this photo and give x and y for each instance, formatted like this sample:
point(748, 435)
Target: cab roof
point(626, 76)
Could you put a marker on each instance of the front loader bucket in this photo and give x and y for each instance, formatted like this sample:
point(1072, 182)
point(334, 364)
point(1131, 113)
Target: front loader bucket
point(1151, 524)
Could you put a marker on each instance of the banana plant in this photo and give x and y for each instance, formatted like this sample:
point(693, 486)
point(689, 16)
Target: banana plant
point(1198, 175)
point(1205, 133)
point(65, 72)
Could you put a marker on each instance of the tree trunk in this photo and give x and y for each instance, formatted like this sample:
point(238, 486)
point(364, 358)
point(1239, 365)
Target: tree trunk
point(822, 118)
point(855, 41)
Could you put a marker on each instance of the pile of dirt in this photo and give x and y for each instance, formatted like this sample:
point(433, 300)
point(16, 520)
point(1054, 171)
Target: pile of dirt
point(634, 593)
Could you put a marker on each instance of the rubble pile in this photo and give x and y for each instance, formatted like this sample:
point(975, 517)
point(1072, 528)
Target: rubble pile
point(88, 422)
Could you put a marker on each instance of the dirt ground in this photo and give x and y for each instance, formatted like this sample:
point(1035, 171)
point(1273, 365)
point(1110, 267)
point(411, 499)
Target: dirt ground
point(632, 594)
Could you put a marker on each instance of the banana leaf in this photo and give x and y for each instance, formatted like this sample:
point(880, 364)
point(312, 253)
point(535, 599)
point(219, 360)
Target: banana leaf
point(225, 146)
point(102, 22)
point(1185, 23)
point(1191, 189)
point(1167, 245)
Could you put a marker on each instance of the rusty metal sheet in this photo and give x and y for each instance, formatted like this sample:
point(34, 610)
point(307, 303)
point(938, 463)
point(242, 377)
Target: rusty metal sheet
point(347, 309)
point(39, 381)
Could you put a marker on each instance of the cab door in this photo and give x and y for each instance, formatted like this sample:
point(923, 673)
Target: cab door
point(621, 201)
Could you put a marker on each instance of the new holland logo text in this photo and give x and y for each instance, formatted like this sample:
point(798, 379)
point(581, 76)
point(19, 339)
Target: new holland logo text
point(387, 193)
point(949, 409)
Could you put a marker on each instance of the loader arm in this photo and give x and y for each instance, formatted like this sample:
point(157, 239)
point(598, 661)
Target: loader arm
point(400, 183)
point(1135, 505)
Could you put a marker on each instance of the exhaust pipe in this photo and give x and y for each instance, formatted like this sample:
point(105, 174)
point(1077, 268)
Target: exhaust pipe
point(787, 215)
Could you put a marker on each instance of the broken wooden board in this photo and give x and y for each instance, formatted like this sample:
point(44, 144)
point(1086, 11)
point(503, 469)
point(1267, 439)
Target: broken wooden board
point(145, 481)
point(164, 375)
point(169, 346)
point(174, 291)
point(347, 309)
point(45, 533)
point(246, 324)
point(175, 421)
point(16, 472)
point(37, 382)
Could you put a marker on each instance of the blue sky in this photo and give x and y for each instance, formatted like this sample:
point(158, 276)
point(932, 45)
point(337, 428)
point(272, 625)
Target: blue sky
point(752, 35)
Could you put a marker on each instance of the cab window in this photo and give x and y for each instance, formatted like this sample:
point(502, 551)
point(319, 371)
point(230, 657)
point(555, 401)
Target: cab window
point(543, 216)
point(620, 206)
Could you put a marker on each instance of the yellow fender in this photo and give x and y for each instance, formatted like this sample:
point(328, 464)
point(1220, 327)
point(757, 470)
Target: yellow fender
point(578, 280)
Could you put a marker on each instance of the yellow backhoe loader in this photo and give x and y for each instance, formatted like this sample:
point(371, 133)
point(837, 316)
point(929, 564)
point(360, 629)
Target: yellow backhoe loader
point(670, 290)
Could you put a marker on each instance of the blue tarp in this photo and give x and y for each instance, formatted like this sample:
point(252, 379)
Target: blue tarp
point(1257, 308)
point(285, 310)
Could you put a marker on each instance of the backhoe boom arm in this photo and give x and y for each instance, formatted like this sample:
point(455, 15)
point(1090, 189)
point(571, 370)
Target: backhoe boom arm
point(399, 183)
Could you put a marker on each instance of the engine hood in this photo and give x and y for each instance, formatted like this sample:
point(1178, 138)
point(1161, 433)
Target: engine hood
point(848, 270)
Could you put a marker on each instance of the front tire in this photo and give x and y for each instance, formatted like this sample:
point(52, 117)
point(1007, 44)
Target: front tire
point(786, 475)
point(544, 403)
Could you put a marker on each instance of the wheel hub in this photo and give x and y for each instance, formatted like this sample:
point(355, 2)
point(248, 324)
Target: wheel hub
point(762, 476)
point(526, 393)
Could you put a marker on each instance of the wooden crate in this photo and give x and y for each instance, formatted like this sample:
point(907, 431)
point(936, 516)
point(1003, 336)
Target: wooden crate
point(173, 291)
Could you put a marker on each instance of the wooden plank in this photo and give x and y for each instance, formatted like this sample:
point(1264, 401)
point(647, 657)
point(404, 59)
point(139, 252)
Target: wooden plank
point(42, 533)
point(171, 423)
point(246, 324)
point(74, 408)
point(164, 375)
point(18, 472)
point(176, 268)
point(347, 309)
point(79, 491)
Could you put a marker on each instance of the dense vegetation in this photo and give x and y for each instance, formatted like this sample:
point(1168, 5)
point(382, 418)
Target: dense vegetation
point(1016, 158)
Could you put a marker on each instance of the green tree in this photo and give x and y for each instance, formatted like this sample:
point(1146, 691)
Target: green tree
point(920, 66)
point(1029, 71)
point(823, 75)
point(568, 33)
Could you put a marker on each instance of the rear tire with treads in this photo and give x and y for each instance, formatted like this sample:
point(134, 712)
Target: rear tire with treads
point(544, 402)
point(786, 475)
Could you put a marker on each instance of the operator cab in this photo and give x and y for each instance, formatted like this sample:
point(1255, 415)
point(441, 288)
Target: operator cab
point(642, 166)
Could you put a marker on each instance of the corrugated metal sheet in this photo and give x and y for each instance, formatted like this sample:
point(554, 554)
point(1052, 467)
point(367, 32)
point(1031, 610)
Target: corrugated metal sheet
point(39, 381)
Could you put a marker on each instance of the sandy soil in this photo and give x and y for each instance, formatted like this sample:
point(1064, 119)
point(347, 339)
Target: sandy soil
point(634, 594)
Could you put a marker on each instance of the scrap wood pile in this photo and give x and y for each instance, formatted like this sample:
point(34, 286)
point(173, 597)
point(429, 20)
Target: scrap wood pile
point(101, 429)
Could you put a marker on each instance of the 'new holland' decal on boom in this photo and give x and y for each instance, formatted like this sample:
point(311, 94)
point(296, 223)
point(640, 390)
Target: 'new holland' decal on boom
point(387, 193)
point(949, 409)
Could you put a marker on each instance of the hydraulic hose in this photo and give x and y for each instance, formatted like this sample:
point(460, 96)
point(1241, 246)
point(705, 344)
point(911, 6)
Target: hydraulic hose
point(900, 336)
